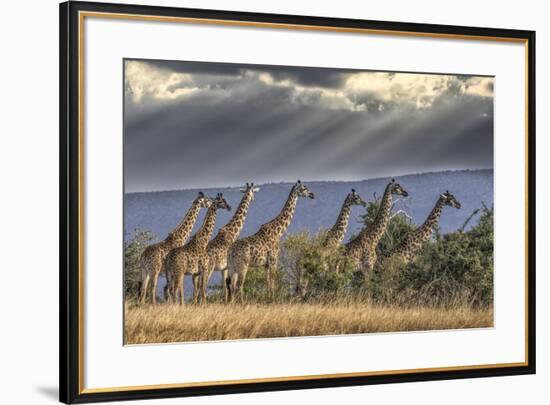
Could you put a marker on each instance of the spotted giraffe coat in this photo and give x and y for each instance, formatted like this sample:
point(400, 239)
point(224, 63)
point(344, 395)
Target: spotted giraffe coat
point(413, 241)
point(262, 248)
point(336, 234)
point(362, 249)
point(153, 255)
point(217, 248)
point(191, 258)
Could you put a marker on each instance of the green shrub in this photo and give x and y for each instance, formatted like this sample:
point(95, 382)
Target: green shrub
point(132, 270)
point(315, 272)
point(451, 269)
point(255, 287)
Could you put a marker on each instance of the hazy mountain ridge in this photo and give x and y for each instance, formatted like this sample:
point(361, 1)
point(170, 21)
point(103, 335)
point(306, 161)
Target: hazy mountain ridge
point(160, 211)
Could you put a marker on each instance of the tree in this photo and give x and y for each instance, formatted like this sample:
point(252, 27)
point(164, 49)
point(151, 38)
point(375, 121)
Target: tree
point(132, 270)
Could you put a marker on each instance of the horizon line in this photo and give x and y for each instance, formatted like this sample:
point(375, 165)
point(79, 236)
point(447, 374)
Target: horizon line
point(310, 181)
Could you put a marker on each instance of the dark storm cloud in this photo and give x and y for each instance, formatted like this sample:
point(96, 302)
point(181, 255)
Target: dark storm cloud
point(262, 131)
point(221, 69)
point(322, 77)
point(328, 78)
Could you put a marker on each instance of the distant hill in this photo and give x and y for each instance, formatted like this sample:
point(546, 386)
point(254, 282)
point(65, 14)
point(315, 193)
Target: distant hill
point(159, 212)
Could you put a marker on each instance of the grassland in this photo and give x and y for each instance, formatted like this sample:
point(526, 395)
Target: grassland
point(173, 323)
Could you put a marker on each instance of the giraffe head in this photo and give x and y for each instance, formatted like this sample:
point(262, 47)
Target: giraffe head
point(250, 190)
point(355, 199)
point(396, 189)
point(202, 200)
point(448, 199)
point(301, 190)
point(219, 203)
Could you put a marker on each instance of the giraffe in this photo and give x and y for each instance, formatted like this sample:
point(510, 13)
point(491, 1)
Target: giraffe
point(413, 241)
point(332, 239)
point(262, 248)
point(218, 247)
point(336, 234)
point(188, 259)
point(362, 249)
point(153, 255)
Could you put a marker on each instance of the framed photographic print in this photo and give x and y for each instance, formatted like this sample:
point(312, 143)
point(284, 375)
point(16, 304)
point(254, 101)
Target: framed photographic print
point(255, 202)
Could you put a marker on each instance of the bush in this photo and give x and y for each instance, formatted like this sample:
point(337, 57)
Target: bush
point(132, 270)
point(453, 269)
point(317, 273)
point(255, 286)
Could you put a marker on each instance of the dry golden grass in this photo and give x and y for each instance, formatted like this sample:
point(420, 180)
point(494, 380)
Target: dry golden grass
point(172, 323)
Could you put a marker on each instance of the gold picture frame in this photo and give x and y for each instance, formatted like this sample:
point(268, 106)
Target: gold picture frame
point(72, 189)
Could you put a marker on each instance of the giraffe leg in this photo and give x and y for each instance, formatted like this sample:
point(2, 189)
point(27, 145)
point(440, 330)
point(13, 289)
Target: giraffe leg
point(170, 295)
point(181, 286)
point(235, 288)
point(167, 291)
point(196, 280)
point(367, 263)
point(271, 267)
point(167, 295)
point(237, 268)
point(202, 287)
point(154, 288)
point(204, 275)
point(179, 289)
point(204, 284)
point(273, 270)
point(225, 284)
point(144, 284)
point(231, 283)
point(268, 282)
point(240, 285)
point(174, 290)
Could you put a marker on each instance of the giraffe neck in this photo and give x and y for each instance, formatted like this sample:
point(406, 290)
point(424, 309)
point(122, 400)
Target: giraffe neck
point(414, 240)
point(336, 234)
point(383, 216)
point(371, 235)
point(281, 222)
point(203, 235)
point(230, 231)
point(181, 232)
point(425, 230)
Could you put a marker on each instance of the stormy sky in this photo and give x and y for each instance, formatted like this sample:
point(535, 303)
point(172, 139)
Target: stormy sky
point(200, 125)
